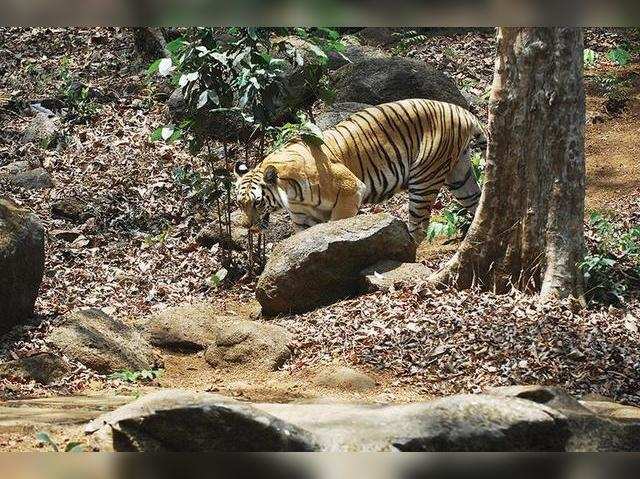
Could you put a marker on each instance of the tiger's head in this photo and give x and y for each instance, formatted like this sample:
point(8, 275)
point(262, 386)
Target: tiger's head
point(256, 194)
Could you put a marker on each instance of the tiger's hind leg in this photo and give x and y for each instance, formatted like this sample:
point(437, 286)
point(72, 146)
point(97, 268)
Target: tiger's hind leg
point(421, 199)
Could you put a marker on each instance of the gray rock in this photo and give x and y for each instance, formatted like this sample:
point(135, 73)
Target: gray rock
point(353, 54)
point(72, 209)
point(338, 112)
point(183, 328)
point(241, 343)
point(177, 420)
point(36, 179)
point(381, 80)
point(102, 343)
point(14, 168)
point(377, 36)
point(21, 263)
point(323, 263)
point(592, 429)
point(44, 368)
point(344, 378)
point(551, 396)
point(210, 235)
point(43, 130)
point(386, 274)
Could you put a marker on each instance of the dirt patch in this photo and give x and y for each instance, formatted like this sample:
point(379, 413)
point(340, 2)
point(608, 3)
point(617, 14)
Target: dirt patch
point(613, 150)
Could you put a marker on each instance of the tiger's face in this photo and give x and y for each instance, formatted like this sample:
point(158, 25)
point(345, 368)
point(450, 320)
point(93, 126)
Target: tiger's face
point(254, 196)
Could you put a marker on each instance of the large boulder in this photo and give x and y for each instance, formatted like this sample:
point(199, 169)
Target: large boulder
point(102, 343)
point(21, 263)
point(352, 54)
point(323, 263)
point(43, 367)
point(381, 80)
point(177, 420)
point(338, 112)
point(248, 344)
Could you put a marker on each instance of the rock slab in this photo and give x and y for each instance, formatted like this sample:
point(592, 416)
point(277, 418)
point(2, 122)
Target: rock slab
point(322, 264)
point(102, 343)
point(251, 344)
point(44, 368)
point(21, 263)
point(179, 420)
point(187, 421)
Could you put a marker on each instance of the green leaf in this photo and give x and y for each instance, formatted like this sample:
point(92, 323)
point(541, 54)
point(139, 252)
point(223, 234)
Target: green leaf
point(202, 99)
point(44, 438)
point(620, 56)
point(74, 447)
point(157, 134)
point(217, 278)
point(153, 68)
point(174, 46)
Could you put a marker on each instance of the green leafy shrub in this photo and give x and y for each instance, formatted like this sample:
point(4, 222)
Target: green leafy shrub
point(454, 219)
point(260, 77)
point(135, 376)
point(619, 56)
point(612, 263)
point(590, 57)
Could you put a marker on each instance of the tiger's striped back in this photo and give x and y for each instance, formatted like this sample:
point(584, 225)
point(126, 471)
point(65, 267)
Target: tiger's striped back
point(397, 145)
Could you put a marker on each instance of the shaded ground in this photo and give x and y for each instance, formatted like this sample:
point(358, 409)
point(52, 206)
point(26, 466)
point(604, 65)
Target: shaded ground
point(137, 253)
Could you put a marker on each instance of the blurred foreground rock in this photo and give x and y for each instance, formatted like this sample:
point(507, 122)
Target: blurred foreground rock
point(21, 263)
point(180, 420)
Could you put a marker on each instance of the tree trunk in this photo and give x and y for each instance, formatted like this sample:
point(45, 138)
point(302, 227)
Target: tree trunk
point(150, 43)
point(528, 230)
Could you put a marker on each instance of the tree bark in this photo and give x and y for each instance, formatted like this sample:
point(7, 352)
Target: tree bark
point(528, 230)
point(150, 43)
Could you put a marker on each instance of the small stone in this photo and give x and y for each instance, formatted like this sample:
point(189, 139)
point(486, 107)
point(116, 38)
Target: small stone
point(36, 179)
point(72, 209)
point(344, 378)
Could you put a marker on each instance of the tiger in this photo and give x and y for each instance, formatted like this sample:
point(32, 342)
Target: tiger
point(416, 145)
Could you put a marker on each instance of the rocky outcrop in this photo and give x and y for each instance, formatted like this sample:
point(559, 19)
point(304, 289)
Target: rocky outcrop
point(386, 274)
point(185, 328)
point(323, 263)
point(36, 179)
point(381, 80)
point(44, 368)
point(102, 343)
point(249, 344)
point(21, 263)
point(178, 420)
point(44, 130)
point(338, 112)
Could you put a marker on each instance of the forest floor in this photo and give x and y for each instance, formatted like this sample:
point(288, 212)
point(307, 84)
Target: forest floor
point(137, 254)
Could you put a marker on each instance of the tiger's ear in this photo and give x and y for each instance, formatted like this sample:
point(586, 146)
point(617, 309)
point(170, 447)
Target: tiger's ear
point(271, 175)
point(241, 168)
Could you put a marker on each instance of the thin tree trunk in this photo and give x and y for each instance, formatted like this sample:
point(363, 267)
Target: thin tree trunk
point(528, 229)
